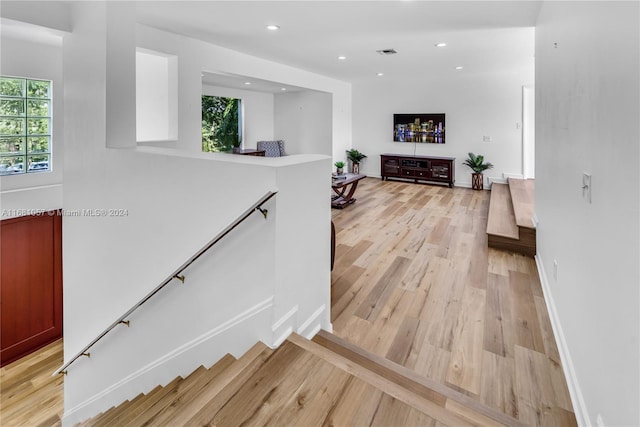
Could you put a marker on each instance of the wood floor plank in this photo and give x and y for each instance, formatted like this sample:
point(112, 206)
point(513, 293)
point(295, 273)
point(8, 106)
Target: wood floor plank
point(498, 335)
point(381, 333)
point(377, 297)
point(403, 341)
point(416, 418)
point(465, 366)
point(418, 267)
point(499, 383)
point(534, 386)
point(550, 347)
point(347, 255)
point(524, 313)
point(315, 401)
point(347, 414)
point(342, 284)
point(442, 309)
point(390, 412)
point(432, 362)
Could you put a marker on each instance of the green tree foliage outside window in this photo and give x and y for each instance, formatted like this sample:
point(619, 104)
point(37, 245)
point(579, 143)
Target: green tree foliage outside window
point(25, 125)
point(220, 123)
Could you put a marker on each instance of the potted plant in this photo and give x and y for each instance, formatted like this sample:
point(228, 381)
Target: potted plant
point(477, 165)
point(356, 157)
point(339, 166)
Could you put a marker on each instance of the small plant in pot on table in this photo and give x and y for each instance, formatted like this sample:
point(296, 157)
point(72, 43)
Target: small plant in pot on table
point(477, 164)
point(339, 167)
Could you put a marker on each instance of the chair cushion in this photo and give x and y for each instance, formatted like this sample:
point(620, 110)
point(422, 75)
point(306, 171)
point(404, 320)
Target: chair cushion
point(272, 148)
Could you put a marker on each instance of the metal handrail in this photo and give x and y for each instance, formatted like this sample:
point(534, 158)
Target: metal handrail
point(175, 275)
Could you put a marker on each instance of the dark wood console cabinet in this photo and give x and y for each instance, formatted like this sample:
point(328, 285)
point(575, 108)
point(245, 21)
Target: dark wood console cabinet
point(418, 168)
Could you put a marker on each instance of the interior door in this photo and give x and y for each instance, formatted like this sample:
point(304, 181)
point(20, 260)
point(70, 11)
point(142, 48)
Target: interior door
point(30, 284)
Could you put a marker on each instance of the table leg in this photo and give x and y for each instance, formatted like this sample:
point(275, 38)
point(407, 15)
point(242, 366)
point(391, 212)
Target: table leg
point(343, 200)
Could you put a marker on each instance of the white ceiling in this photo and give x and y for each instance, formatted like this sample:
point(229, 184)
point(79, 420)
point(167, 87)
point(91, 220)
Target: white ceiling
point(481, 36)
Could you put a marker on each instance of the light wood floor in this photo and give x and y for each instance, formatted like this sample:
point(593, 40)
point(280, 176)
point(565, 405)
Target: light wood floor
point(30, 396)
point(415, 282)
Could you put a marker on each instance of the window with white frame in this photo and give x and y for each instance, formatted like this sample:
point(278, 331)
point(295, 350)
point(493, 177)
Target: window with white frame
point(25, 125)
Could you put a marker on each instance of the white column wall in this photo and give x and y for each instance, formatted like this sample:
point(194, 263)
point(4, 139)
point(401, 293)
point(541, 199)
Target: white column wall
point(303, 121)
point(196, 56)
point(168, 204)
point(587, 109)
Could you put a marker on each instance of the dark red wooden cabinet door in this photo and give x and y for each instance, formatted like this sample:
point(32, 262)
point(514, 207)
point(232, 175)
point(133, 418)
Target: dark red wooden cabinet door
point(31, 284)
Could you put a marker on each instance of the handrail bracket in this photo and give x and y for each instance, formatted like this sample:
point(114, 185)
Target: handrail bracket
point(181, 278)
point(264, 212)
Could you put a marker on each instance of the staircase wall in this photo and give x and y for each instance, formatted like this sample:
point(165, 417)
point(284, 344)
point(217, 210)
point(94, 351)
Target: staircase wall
point(587, 121)
point(169, 203)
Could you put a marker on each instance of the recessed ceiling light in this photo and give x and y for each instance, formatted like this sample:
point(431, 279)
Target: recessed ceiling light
point(283, 88)
point(342, 58)
point(459, 68)
point(380, 74)
point(247, 83)
point(273, 27)
point(441, 44)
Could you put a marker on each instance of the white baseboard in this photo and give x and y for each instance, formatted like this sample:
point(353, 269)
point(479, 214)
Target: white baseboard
point(577, 400)
point(234, 336)
point(283, 327)
point(313, 324)
point(506, 175)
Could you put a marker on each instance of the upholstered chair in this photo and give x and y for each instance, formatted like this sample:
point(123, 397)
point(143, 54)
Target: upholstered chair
point(272, 148)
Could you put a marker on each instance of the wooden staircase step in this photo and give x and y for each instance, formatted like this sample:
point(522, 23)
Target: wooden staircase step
point(459, 403)
point(222, 387)
point(107, 417)
point(203, 380)
point(327, 381)
point(523, 198)
point(255, 399)
point(502, 221)
point(503, 232)
point(142, 404)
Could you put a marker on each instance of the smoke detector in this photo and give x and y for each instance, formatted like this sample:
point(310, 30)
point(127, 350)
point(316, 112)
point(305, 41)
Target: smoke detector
point(387, 51)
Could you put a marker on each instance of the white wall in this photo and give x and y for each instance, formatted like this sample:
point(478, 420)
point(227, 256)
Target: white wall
point(304, 121)
point(257, 108)
point(476, 105)
point(156, 96)
point(41, 59)
point(196, 57)
point(587, 109)
point(174, 201)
